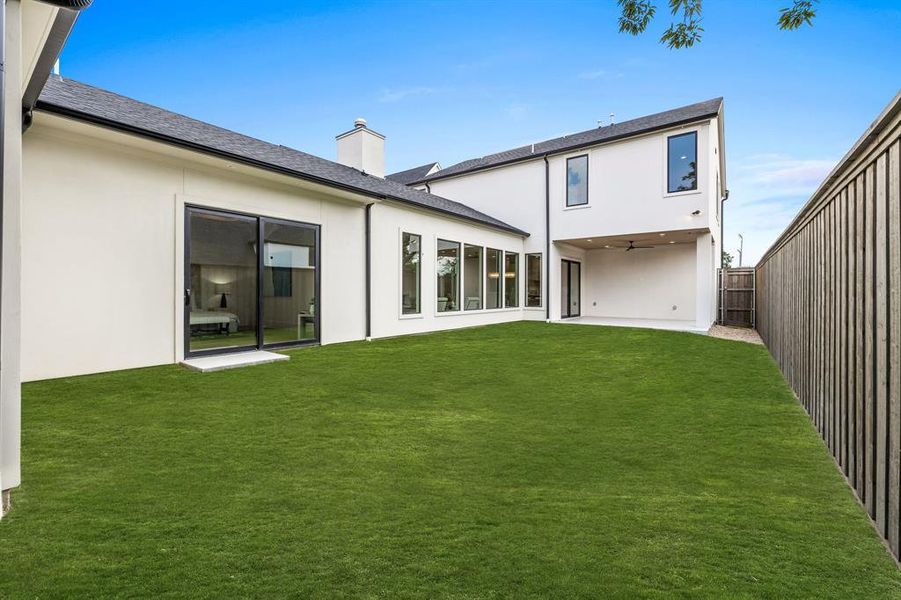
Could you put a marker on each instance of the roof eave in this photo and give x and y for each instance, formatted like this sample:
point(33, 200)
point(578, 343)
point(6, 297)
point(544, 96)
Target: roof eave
point(62, 26)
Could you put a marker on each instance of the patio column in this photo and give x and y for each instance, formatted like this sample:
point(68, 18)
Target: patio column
point(705, 285)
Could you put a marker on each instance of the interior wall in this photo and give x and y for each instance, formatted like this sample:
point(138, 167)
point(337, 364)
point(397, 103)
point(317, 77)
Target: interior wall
point(657, 283)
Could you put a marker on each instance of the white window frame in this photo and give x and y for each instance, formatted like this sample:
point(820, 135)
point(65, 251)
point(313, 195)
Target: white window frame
point(400, 281)
point(541, 269)
point(458, 310)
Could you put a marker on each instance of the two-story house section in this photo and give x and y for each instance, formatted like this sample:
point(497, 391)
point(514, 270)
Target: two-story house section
point(628, 214)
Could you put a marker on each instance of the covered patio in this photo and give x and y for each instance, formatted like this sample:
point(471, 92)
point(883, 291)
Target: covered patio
point(655, 280)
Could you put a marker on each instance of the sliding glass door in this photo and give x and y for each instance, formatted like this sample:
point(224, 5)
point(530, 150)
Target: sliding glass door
point(238, 298)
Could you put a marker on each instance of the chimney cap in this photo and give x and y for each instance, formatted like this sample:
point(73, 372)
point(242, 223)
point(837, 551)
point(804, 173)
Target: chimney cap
point(359, 122)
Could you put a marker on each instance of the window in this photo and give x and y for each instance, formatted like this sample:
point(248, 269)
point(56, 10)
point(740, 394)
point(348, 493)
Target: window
point(682, 162)
point(511, 281)
point(448, 274)
point(493, 268)
point(577, 180)
point(533, 280)
point(411, 273)
point(472, 277)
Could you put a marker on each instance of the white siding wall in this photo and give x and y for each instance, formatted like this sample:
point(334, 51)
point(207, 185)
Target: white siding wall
point(103, 250)
point(513, 194)
point(627, 191)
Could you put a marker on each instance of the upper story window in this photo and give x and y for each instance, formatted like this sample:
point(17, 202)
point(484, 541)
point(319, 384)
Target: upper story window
point(577, 180)
point(682, 162)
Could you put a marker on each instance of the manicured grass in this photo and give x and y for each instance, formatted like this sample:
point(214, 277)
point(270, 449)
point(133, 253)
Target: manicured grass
point(516, 460)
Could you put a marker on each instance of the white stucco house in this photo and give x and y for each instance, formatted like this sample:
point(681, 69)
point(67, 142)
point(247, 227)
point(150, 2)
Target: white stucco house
point(134, 236)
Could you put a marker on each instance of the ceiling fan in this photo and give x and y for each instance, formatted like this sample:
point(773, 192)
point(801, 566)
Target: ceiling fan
point(632, 246)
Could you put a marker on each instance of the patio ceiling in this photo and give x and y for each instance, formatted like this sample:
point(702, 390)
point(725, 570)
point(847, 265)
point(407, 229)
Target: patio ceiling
point(654, 239)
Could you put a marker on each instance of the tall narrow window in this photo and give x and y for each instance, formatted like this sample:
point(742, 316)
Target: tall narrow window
point(682, 162)
point(533, 280)
point(472, 277)
point(511, 281)
point(577, 180)
point(411, 272)
point(493, 268)
point(448, 273)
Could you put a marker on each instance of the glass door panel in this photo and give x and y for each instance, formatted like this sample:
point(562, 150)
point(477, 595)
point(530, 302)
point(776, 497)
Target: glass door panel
point(570, 289)
point(575, 289)
point(221, 281)
point(290, 309)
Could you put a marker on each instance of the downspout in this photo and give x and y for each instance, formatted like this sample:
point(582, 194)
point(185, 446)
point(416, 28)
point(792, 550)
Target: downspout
point(721, 317)
point(369, 272)
point(722, 220)
point(547, 239)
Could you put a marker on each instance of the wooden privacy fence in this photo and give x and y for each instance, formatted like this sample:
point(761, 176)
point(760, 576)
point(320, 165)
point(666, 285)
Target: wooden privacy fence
point(829, 309)
point(736, 296)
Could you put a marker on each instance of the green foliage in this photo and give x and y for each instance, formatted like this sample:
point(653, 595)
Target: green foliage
point(523, 460)
point(636, 15)
point(727, 260)
point(801, 12)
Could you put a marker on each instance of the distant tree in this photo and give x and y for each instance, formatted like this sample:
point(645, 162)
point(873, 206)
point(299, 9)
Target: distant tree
point(727, 260)
point(637, 14)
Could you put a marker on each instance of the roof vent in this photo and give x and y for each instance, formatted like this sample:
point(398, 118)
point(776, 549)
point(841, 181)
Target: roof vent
point(359, 122)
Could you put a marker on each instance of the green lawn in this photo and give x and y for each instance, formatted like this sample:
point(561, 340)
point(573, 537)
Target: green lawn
point(520, 460)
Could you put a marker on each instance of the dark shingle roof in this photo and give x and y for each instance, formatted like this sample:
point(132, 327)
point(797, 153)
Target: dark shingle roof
point(83, 102)
point(641, 125)
point(411, 175)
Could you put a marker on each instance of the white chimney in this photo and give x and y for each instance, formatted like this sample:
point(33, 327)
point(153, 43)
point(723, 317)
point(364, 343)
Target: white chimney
point(363, 149)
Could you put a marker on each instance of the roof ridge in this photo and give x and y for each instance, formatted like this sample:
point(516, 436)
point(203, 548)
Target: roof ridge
point(595, 135)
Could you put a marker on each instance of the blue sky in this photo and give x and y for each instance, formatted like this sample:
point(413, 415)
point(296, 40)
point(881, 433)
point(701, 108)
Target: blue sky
point(448, 81)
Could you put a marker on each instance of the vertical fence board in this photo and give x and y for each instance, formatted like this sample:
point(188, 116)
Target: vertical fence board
point(881, 345)
point(894, 336)
point(860, 364)
point(828, 307)
point(870, 346)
